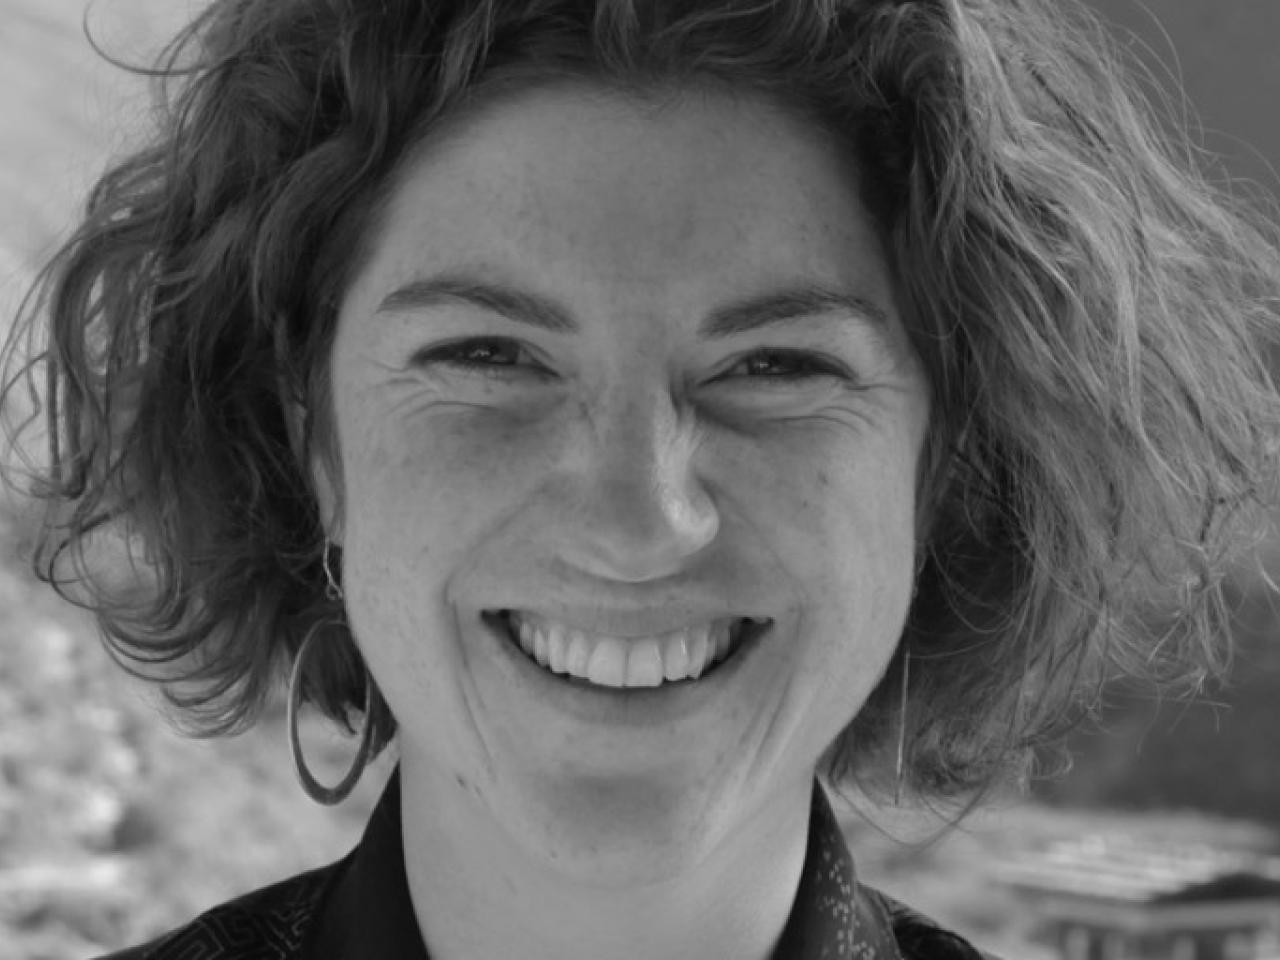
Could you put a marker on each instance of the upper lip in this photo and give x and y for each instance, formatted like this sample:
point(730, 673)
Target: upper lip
point(638, 623)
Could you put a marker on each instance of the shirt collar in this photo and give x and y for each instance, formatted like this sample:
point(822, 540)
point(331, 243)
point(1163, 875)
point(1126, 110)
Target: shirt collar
point(367, 914)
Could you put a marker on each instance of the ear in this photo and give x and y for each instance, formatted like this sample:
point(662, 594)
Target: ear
point(320, 467)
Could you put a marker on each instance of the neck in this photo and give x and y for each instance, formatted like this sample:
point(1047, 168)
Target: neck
point(482, 888)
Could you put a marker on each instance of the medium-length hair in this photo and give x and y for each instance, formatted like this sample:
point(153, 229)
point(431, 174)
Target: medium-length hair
point(1095, 316)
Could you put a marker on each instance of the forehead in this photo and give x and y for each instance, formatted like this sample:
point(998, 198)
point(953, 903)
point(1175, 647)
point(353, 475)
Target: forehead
point(693, 192)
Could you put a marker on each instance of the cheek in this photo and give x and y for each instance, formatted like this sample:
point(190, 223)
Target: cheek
point(843, 518)
point(417, 477)
point(846, 501)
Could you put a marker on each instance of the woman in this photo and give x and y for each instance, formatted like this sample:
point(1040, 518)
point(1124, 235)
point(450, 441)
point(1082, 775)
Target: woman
point(650, 416)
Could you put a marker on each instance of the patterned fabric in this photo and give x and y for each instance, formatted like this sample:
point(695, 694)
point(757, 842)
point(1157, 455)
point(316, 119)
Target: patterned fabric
point(267, 924)
point(358, 908)
point(919, 938)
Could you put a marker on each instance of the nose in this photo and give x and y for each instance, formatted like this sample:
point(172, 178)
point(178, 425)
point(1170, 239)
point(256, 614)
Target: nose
point(642, 510)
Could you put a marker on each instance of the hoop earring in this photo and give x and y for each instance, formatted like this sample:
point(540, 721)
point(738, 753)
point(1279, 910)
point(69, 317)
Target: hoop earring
point(314, 789)
point(902, 731)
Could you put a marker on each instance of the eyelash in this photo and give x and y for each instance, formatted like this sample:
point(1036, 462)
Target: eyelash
point(455, 355)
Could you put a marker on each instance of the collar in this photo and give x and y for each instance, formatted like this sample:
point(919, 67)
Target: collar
point(367, 914)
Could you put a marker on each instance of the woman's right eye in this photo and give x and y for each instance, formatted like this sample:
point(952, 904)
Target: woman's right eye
point(473, 356)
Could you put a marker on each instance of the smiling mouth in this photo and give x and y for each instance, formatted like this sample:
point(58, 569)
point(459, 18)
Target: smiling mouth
point(675, 660)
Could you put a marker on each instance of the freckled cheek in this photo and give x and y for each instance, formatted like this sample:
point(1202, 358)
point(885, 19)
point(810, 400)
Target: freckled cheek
point(424, 476)
point(849, 522)
point(413, 515)
point(421, 512)
point(820, 489)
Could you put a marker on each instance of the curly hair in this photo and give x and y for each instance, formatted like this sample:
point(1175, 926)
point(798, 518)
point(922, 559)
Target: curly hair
point(1097, 320)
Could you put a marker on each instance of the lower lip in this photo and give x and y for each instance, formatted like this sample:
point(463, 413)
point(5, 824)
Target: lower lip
point(622, 706)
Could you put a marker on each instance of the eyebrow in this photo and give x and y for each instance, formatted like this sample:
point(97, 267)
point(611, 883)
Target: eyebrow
point(778, 307)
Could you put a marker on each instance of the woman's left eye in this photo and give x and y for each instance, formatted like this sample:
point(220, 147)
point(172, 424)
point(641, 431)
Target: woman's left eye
point(804, 366)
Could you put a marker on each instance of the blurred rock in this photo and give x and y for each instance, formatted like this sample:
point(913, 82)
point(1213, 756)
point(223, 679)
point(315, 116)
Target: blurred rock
point(136, 829)
point(97, 818)
point(54, 661)
point(26, 890)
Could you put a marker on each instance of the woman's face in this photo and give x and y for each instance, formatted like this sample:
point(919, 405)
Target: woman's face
point(661, 427)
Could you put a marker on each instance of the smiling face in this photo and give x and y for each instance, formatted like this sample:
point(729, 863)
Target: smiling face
point(642, 458)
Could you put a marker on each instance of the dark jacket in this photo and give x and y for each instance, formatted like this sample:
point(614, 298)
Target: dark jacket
point(358, 909)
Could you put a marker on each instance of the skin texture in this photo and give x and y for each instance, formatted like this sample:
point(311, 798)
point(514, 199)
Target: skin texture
point(633, 464)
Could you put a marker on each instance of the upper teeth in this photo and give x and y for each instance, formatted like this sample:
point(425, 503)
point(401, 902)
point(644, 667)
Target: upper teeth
point(619, 661)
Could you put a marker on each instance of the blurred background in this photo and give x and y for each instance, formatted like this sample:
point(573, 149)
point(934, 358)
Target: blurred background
point(1162, 841)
